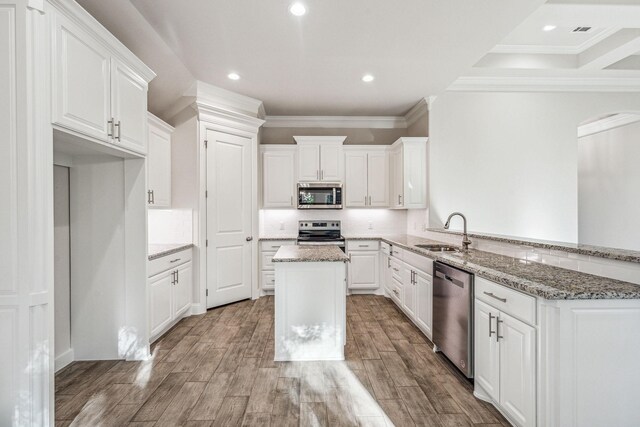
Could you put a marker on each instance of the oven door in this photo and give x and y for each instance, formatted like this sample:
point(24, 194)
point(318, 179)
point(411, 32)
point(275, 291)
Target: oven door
point(321, 195)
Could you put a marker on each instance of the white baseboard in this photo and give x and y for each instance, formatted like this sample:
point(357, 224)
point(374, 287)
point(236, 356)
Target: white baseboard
point(64, 359)
point(198, 309)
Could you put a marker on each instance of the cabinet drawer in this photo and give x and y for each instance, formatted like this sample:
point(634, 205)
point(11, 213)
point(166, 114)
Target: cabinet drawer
point(396, 270)
point(362, 245)
point(274, 245)
point(268, 280)
point(267, 260)
point(419, 262)
point(396, 252)
point(168, 262)
point(385, 248)
point(517, 304)
point(396, 292)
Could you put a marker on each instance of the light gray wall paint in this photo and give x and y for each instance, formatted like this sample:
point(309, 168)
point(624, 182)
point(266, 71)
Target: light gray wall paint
point(359, 136)
point(609, 188)
point(509, 161)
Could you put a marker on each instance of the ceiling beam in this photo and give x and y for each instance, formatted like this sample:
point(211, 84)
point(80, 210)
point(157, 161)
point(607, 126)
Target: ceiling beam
point(615, 48)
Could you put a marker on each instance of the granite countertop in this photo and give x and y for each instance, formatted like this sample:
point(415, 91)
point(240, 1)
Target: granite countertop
point(265, 239)
point(546, 281)
point(295, 253)
point(158, 251)
point(577, 248)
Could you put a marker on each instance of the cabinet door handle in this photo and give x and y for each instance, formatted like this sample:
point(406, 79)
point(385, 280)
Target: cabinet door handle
point(250, 238)
point(174, 260)
point(321, 174)
point(110, 127)
point(369, 200)
point(490, 319)
point(177, 276)
point(398, 199)
point(498, 321)
point(173, 277)
point(365, 200)
point(148, 197)
point(119, 126)
point(492, 295)
point(153, 197)
point(291, 200)
point(388, 262)
point(395, 269)
point(318, 174)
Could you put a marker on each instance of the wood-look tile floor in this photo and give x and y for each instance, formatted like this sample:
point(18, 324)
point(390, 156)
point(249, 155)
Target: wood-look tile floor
point(217, 369)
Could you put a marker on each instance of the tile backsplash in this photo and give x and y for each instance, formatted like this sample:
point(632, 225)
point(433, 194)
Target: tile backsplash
point(168, 226)
point(355, 222)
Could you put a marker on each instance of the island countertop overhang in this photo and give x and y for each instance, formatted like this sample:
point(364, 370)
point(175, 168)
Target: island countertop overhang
point(297, 253)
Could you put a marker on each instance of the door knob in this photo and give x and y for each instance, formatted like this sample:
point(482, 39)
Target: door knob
point(249, 239)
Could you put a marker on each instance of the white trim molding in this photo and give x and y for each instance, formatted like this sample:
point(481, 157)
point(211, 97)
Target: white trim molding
point(607, 123)
point(545, 84)
point(319, 139)
point(417, 111)
point(225, 100)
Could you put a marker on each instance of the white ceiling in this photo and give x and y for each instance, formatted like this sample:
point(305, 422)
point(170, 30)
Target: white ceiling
point(602, 59)
point(312, 65)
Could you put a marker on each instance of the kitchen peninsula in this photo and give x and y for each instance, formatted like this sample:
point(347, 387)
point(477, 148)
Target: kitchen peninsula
point(310, 303)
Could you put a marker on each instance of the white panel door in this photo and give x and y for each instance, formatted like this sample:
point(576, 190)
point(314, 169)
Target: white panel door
point(228, 218)
point(408, 292)
point(160, 310)
point(486, 349)
point(81, 82)
point(415, 176)
point(129, 108)
point(364, 270)
point(308, 162)
point(517, 370)
point(182, 289)
point(397, 178)
point(278, 179)
point(424, 301)
point(378, 179)
point(159, 168)
point(355, 191)
point(331, 162)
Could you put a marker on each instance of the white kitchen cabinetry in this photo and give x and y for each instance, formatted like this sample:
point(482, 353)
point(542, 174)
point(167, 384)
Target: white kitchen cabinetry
point(320, 158)
point(385, 264)
point(170, 289)
point(408, 291)
point(367, 177)
point(424, 302)
point(159, 163)
point(95, 92)
point(364, 267)
point(278, 177)
point(409, 173)
point(505, 351)
point(268, 249)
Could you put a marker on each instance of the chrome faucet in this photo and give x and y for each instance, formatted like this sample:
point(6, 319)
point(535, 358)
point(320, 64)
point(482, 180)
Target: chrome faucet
point(465, 238)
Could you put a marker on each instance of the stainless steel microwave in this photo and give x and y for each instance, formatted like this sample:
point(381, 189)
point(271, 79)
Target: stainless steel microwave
point(319, 195)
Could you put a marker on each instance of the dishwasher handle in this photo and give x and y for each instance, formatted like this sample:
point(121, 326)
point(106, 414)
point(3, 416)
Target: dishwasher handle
point(455, 281)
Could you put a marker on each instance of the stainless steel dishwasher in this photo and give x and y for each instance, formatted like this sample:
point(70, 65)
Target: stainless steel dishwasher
point(453, 315)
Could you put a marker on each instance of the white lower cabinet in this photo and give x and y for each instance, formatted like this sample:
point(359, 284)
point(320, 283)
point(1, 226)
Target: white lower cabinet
point(424, 302)
point(268, 249)
point(170, 288)
point(408, 291)
point(505, 362)
point(364, 265)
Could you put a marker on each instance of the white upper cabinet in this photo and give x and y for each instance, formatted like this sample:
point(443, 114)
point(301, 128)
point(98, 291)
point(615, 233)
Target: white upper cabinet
point(320, 158)
point(82, 82)
point(159, 163)
point(366, 177)
point(409, 173)
point(278, 177)
point(99, 87)
point(129, 108)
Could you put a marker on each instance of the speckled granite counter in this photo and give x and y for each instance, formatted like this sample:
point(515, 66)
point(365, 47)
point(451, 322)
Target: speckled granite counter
point(270, 238)
point(158, 251)
point(295, 253)
point(576, 248)
point(534, 278)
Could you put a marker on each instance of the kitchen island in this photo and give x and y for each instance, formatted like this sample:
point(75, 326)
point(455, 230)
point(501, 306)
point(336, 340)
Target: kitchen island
point(310, 303)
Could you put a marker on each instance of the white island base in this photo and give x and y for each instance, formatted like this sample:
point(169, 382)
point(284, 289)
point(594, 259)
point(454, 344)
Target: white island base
point(310, 310)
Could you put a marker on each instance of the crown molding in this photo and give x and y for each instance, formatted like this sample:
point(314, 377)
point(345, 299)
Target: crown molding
point(159, 123)
point(319, 139)
point(417, 111)
point(372, 122)
point(221, 116)
point(225, 99)
point(607, 123)
point(545, 84)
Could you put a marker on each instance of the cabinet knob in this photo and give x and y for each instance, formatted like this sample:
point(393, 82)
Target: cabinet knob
point(250, 238)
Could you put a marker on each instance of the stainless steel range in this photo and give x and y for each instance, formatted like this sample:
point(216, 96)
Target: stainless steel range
point(320, 233)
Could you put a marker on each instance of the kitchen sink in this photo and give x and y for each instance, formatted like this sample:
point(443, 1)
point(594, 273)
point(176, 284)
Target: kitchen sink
point(439, 248)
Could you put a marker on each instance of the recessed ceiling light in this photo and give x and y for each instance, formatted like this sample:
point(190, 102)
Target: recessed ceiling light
point(297, 9)
point(549, 28)
point(233, 76)
point(367, 78)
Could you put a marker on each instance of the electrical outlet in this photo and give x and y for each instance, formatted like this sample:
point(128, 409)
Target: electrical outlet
point(370, 225)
